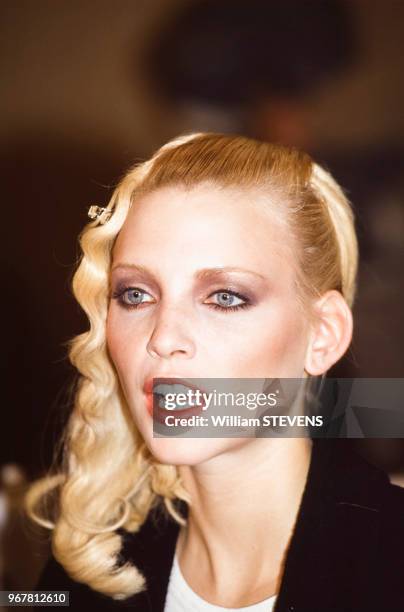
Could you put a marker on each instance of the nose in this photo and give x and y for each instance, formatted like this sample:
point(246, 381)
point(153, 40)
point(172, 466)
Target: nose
point(170, 337)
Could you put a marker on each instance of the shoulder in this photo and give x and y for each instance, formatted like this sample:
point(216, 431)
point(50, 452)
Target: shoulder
point(349, 473)
point(368, 480)
point(356, 479)
point(372, 516)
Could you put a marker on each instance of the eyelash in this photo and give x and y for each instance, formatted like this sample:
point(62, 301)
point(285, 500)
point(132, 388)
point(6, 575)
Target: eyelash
point(118, 295)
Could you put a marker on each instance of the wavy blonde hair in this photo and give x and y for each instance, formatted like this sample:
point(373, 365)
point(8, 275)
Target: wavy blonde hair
point(107, 478)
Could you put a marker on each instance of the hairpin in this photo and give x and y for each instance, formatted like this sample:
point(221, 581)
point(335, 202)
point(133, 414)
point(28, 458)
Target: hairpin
point(96, 212)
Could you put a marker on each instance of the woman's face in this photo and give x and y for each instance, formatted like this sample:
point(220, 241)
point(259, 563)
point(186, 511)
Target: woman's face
point(206, 289)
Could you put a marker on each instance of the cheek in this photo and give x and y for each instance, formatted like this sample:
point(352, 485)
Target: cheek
point(120, 347)
point(272, 345)
point(118, 344)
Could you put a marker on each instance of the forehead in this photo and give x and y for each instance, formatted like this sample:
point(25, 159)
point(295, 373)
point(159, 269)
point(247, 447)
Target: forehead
point(218, 226)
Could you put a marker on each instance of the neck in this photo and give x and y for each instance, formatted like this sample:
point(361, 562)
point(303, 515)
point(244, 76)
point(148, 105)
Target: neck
point(244, 507)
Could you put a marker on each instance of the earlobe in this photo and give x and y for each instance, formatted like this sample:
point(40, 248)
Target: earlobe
point(331, 333)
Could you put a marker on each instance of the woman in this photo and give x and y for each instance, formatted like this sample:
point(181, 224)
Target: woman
point(220, 257)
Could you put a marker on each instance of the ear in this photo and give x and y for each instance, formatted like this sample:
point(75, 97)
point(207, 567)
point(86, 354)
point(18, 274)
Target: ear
point(331, 333)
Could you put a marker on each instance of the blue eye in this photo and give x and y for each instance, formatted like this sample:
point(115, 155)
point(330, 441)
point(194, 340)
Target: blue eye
point(227, 299)
point(130, 297)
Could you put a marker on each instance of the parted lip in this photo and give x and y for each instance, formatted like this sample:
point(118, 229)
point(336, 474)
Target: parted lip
point(156, 380)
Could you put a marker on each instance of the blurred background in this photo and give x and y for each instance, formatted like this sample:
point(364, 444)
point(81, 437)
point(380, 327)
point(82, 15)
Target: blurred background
point(90, 87)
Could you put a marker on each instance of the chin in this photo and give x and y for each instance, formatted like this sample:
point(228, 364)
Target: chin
point(184, 451)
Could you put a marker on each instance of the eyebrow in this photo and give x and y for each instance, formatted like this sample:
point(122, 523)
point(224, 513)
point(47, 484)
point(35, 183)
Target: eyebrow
point(202, 274)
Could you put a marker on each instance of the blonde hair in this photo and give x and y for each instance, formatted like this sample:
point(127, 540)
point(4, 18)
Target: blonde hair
point(108, 479)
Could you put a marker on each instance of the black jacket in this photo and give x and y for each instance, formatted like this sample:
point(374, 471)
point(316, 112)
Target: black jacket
point(346, 553)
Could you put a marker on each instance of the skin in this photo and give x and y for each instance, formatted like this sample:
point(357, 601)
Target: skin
point(243, 512)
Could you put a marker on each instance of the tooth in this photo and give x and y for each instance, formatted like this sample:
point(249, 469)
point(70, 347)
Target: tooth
point(162, 389)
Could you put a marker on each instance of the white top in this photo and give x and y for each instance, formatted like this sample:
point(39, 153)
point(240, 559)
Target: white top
point(181, 598)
